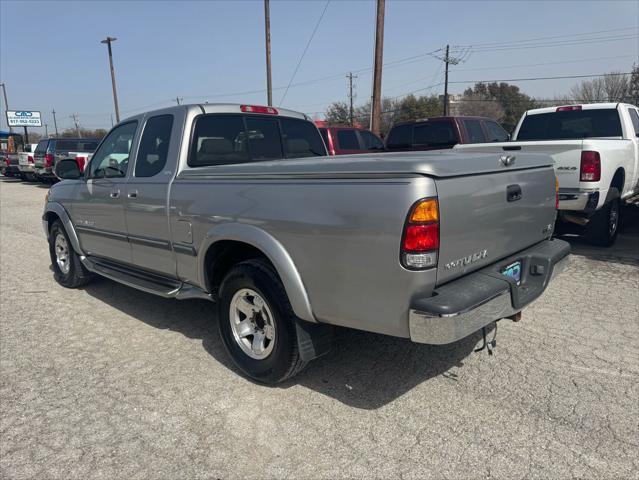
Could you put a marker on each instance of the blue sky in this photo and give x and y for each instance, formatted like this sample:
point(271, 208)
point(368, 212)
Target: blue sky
point(51, 55)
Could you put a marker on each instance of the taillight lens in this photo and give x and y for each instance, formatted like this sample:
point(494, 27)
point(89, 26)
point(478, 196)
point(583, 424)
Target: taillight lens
point(81, 162)
point(48, 160)
point(420, 241)
point(29, 159)
point(590, 166)
point(568, 108)
point(258, 109)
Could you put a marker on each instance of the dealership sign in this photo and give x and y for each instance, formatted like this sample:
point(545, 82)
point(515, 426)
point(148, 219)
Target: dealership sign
point(23, 118)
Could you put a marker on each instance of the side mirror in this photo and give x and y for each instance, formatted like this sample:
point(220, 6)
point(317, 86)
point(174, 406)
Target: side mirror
point(67, 169)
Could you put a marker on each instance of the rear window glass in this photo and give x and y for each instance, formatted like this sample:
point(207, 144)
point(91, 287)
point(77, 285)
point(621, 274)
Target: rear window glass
point(400, 137)
point(634, 116)
point(221, 139)
point(301, 139)
point(371, 142)
point(475, 133)
point(347, 140)
point(434, 134)
point(42, 146)
point(76, 145)
point(571, 124)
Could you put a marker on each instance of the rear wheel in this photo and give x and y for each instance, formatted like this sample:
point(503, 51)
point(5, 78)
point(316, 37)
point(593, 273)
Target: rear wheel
point(603, 227)
point(257, 323)
point(68, 270)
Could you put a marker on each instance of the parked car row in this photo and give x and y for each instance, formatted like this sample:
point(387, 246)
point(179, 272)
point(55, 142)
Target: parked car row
point(240, 205)
point(36, 161)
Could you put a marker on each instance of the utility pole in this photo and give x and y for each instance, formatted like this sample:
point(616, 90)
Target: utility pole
point(350, 77)
point(376, 107)
point(177, 99)
point(448, 60)
point(111, 120)
point(6, 105)
point(108, 40)
point(267, 33)
point(77, 125)
point(46, 130)
point(55, 123)
point(26, 135)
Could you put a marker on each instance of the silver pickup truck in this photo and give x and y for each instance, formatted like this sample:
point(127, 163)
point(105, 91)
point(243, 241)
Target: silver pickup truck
point(238, 204)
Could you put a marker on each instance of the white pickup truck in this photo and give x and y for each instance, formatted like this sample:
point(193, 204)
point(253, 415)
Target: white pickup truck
point(596, 152)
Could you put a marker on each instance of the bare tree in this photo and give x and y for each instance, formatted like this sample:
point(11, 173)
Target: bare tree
point(612, 87)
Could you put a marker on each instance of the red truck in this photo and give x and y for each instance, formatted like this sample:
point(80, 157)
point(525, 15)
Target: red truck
point(349, 140)
point(443, 132)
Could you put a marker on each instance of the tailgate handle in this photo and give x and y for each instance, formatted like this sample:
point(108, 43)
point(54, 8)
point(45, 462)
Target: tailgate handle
point(513, 193)
point(514, 147)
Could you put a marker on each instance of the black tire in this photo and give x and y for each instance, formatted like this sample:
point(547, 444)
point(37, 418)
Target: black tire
point(77, 275)
point(283, 361)
point(603, 227)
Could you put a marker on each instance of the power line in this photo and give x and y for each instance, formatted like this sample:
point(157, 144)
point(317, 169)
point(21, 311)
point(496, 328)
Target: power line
point(566, 43)
point(308, 44)
point(541, 78)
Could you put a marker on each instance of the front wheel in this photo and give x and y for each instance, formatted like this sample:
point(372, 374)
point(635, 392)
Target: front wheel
point(603, 227)
point(68, 270)
point(257, 323)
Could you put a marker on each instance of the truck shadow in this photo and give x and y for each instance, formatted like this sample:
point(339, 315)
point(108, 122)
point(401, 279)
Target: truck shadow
point(624, 251)
point(363, 370)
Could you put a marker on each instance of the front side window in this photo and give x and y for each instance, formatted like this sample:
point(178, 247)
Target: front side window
point(475, 133)
point(347, 140)
point(111, 160)
point(154, 146)
point(495, 132)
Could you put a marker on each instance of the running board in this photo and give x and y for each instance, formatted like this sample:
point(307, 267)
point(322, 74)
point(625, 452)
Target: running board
point(145, 281)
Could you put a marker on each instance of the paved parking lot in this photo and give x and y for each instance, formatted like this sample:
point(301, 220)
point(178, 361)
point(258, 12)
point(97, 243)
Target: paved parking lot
point(108, 382)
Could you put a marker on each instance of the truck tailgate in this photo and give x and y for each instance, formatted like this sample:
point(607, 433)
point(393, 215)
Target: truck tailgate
point(485, 218)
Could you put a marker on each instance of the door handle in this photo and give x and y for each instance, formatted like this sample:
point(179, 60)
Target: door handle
point(115, 194)
point(133, 194)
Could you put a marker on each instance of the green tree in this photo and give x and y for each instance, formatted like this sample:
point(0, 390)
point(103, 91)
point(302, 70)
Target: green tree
point(633, 86)
point(509, 97)
point(337, 113)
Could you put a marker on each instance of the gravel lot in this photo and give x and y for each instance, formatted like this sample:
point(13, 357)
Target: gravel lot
point(108, 382)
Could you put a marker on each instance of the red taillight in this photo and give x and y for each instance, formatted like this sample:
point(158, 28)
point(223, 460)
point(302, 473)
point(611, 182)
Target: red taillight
point(420, 241)
point(29, 159)
point(590, 166)
point(81, 161)
point(48, 160)
point(258, 109)
point(421, 238)
point(6, 161)
point(568, 108)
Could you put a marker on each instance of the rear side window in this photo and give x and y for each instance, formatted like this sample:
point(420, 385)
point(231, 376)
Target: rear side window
point(154, 146)
point(347, 140)
point(301, 139)
point(475, 133)
point(42, 147)
point(434, 134)
point(495, 132)
point(75, 145)
point(634, 116)
point(571, 124)
point(400, 137)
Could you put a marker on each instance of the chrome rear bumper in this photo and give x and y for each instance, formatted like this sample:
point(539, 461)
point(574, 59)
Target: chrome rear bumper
point(488, 298)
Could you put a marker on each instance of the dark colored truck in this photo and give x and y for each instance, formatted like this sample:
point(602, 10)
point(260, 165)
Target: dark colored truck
point(437, 133)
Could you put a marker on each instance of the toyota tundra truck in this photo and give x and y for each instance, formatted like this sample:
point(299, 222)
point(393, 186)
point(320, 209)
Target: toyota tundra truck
point(239, 205)
point(596, 152)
